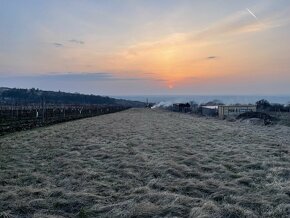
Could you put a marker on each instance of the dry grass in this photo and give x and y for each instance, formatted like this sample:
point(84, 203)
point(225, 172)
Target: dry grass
point(146, 163)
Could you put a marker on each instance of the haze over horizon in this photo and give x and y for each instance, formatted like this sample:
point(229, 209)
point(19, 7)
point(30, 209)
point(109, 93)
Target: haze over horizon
point(146, 47)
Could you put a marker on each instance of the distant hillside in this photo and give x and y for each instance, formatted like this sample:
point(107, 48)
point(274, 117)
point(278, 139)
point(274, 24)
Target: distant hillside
point(36, 96)
point(2, 89)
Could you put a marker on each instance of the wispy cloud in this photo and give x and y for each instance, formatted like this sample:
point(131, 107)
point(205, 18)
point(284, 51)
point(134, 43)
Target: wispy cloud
point(82, 77)
point(237, 23)
point(76, 41)
point(58, 45)
point(211, 57)
point(62, 45)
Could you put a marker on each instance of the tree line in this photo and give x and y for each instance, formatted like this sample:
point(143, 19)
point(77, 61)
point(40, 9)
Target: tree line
point(264, 105)
point(36, 96)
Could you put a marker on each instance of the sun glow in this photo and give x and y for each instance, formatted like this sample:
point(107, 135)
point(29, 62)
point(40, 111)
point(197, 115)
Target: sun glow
point(175, 60)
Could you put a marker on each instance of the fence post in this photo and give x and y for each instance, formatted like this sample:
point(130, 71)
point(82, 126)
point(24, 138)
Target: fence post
point(43, 108)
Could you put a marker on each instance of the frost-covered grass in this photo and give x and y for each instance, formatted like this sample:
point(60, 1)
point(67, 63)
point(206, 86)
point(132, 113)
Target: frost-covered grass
point(146, 163)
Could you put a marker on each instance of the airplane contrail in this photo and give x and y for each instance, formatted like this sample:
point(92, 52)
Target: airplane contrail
point(252, 14)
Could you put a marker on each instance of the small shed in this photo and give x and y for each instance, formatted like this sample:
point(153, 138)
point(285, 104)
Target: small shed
point(181, 107)
point(209, 110)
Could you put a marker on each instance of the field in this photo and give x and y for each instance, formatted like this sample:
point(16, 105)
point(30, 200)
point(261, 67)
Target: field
point(146, 163)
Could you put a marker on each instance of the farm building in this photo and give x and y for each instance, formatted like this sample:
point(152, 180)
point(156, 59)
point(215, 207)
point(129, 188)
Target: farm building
point(209, 110)
point(194, 107)
point(181, 107)
point(234, 110)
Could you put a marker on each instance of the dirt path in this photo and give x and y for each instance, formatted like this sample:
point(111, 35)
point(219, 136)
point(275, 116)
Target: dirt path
point(147, 163)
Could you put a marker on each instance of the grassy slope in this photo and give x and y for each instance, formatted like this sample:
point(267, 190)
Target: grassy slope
point(142, 162)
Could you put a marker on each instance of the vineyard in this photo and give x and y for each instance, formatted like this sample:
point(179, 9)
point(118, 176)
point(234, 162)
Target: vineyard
point(15, 118)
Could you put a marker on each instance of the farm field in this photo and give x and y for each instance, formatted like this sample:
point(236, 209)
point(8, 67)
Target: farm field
point(146, 163)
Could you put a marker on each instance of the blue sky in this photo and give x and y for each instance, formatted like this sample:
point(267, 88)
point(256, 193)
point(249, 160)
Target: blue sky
point(146, 47)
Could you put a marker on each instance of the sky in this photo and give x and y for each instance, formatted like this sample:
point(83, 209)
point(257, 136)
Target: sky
point(137, 47)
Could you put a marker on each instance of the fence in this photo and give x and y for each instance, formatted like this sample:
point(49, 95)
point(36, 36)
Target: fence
point(17, 117)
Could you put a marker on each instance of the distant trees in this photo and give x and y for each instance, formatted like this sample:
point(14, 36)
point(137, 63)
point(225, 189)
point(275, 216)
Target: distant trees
point(31, 96)
point(278, 107)
point(214, 103)
point(264, 105)
point(35, 96)
point(288, 107)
